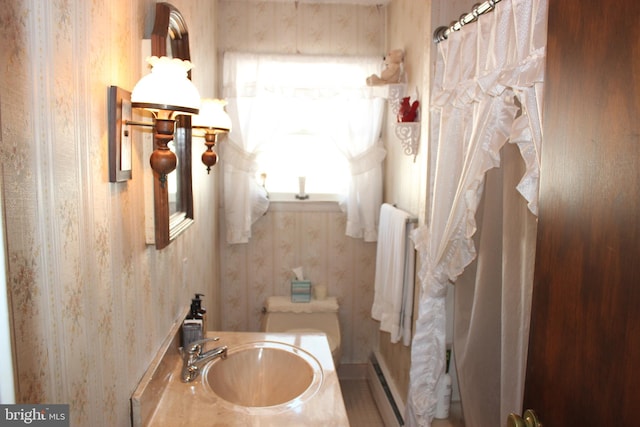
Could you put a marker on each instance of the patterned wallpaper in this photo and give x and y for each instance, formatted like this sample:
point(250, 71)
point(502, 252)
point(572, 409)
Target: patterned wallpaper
point(293, 27)
point(406, 185)
point(91, 303)
point(288, 237)
point(314, 239)
point(408, 29)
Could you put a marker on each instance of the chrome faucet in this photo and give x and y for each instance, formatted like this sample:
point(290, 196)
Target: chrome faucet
point(193, 358)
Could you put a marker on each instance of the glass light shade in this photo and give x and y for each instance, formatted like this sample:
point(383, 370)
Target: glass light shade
point(212, 116)
point(167, 87)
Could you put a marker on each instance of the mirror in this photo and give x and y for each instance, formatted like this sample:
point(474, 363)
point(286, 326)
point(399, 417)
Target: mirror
point(173, 203)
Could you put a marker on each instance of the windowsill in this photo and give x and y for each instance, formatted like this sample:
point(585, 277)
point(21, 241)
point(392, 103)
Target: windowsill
point(315, 202)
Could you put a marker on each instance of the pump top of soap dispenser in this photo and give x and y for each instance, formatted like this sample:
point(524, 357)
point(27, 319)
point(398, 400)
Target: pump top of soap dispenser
point(198, 301)
point(196, 307)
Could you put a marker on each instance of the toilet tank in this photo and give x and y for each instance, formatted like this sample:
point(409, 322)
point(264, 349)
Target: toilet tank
point(282, 315)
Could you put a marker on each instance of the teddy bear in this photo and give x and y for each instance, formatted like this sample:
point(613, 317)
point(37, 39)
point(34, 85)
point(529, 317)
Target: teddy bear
point(392, 72)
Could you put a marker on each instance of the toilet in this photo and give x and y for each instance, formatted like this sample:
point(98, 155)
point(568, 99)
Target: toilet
point(282, 315)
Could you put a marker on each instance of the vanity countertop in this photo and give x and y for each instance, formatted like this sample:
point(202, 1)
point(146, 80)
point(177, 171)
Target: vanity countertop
point(162, 399)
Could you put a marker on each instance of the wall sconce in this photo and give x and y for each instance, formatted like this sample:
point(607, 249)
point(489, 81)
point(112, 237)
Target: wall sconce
point(211, 122)
point(165, 92)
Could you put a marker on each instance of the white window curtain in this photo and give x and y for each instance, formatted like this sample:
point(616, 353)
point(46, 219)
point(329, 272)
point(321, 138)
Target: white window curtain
point(268, 96)
point(487, 91)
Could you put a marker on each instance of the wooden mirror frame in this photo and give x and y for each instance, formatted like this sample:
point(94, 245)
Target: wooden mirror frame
point(170, 25)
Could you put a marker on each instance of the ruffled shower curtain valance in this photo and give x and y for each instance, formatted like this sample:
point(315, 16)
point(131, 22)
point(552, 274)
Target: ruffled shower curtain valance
point(487, 91)
point(264, 93)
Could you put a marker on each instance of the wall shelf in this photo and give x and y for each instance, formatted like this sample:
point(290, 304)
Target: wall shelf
point(409, 135)
point(393, 93)
point(407, 132)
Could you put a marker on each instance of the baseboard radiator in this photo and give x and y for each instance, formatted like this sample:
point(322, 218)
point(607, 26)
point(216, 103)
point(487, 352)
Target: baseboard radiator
point(387, 399)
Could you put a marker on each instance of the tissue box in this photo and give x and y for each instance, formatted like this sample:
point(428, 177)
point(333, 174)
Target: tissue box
point(300, 290)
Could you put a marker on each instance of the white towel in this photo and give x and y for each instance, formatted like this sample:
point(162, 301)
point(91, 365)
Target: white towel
point(395, 258)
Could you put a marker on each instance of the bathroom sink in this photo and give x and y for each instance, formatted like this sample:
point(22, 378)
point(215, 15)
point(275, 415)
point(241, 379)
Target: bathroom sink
point(264, 374)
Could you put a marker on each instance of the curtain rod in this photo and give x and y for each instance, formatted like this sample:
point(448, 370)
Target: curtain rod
point(442, 33)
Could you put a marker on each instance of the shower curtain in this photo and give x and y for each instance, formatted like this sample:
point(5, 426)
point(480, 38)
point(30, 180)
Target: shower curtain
point(493, 299)
point(487, 92)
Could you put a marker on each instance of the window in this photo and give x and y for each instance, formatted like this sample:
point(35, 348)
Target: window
point(288, 157)
point(298, 115)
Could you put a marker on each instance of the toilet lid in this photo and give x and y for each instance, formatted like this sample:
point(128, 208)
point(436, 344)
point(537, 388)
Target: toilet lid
point(282, 304)
point(332, 341)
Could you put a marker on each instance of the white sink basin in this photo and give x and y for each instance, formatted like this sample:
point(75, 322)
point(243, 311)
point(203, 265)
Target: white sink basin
point(264, 374)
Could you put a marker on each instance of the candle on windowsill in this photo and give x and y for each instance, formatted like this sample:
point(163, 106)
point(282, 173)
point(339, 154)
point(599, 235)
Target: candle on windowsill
point(301, 183)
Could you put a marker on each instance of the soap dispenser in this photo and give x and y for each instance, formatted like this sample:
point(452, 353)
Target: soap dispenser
point(202, 312)
point(193, 325)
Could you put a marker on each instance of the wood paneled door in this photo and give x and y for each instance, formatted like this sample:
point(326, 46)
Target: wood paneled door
point(584, 351)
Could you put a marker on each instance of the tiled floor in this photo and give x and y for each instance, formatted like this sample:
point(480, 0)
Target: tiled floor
point(362, 411)
point(454, 420)
point(361, 408)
